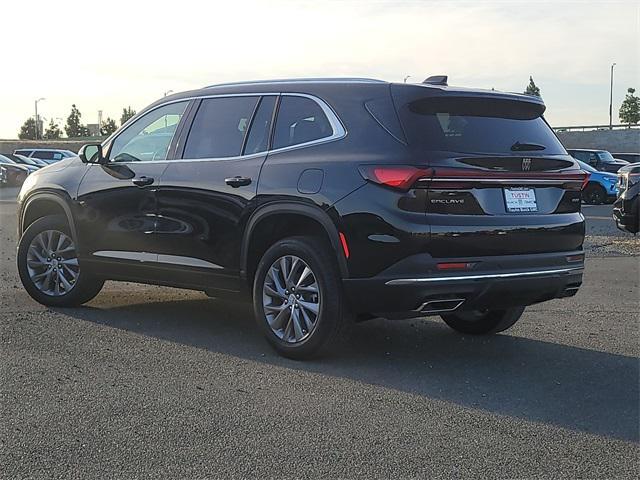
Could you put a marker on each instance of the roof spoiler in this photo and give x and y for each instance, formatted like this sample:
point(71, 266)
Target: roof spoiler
point(437, 80)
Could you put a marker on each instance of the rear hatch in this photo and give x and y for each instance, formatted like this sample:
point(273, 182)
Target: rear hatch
point(498, 180)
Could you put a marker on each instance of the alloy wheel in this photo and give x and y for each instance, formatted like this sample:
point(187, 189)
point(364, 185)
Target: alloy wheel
point(52, 263)
point(291, 299)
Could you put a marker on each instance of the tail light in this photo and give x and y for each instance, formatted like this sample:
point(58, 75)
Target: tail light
point(466, 178)
point(401, 177)
point(404, 177)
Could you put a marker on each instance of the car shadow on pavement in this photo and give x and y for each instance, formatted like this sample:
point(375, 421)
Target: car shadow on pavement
point(570, 387)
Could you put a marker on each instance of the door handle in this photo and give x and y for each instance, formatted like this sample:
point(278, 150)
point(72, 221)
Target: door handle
point(236, 182)
point(142, 181)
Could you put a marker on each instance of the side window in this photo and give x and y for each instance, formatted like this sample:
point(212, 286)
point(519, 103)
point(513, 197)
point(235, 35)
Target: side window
point(219, 127)
point(57, 156)
point(258, 139)
point(300, 120)
point(149, 137)
point(593, 159)
point(43, 155)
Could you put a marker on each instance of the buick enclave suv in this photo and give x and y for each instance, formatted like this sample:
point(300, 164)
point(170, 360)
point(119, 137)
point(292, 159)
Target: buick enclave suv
point(326, 200)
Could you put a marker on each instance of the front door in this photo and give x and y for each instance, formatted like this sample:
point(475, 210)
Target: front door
point(205, 197)
point(116, 207)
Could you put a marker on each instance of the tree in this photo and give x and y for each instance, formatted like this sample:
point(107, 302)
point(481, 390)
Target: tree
point(108, 127)
point(28, 130)
point(127, 113)
point(532, 88)
point(630, 109)
point(53, 131)
point(74, 128)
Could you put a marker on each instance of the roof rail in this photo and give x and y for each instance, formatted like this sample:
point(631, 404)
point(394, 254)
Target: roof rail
point(300, 80)
point(437, 80)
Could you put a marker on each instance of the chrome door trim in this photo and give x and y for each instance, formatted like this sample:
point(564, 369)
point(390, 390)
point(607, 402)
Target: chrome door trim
point(462, 278)
point(144, 257)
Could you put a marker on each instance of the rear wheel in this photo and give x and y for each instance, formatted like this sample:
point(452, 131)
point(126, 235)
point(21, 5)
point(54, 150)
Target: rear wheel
point(594, 194)
point(297, 296)
point(479, 322)
point(49, 268)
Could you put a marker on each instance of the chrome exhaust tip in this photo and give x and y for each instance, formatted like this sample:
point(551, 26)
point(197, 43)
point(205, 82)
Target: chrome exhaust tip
point(441, 305)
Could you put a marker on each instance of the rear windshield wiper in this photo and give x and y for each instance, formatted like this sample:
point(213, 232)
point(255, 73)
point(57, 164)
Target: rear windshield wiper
point(519, 147)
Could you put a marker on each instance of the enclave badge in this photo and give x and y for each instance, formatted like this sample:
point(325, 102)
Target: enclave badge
point(526, 164)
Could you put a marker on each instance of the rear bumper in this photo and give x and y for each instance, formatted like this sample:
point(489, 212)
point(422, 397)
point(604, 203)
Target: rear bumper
point(494, 282)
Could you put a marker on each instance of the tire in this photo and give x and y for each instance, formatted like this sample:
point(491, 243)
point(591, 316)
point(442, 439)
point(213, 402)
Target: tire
point(594, 194)
point(483, 322)
point(309, 337)
point(32, 264)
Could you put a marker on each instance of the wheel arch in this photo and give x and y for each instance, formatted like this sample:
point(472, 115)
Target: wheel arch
point(41, 204)
point(270, 214)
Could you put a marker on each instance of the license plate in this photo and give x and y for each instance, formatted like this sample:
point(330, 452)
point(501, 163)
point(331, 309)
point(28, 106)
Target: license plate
point(520, 199)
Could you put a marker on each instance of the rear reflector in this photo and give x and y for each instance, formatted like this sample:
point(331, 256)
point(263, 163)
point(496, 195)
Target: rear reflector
point(396, 176)
point(345, 247)
point(575, 258)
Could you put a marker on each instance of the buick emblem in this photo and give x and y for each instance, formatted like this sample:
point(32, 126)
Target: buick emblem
point(526, 164)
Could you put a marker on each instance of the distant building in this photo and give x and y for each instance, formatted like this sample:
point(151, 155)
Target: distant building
point(94, 129)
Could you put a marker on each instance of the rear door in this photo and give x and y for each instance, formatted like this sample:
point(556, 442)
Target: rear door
point(499, 182)
point(207, 195)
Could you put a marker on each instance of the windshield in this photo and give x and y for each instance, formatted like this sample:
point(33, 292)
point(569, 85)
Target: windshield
point(478, 125)
point(586, 166)
point(4, 159)
point(605, 157)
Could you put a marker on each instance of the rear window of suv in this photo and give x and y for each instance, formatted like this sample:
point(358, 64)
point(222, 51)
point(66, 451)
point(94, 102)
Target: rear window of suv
point(478, 126)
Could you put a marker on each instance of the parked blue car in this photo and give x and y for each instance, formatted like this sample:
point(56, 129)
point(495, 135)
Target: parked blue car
point(602, 186)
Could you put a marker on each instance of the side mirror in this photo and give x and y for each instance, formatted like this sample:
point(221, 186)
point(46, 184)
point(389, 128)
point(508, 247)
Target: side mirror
point(91, 153)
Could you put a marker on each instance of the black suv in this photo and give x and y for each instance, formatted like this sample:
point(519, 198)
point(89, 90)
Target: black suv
point(598, 159)
point(626, 209)
point(326, 200)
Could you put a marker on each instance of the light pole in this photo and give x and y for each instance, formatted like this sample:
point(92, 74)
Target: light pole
point(611, 99)
point(405, 78)
point(37, 122)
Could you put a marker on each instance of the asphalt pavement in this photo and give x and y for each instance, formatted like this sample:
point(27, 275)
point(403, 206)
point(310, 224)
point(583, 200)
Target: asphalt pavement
point(163, 383)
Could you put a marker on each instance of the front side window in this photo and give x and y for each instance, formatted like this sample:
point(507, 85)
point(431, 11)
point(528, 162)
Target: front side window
point(300, 120)
point(583, 156)
point(43, 155)
point(149, 137)
point(219, 127)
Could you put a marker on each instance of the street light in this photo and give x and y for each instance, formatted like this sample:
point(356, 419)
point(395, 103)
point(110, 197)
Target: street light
point(37, 122)
point(611, 99)
point(405, 78)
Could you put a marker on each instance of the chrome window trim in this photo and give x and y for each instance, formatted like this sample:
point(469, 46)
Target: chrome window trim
point(338, 128)
point(411, 281)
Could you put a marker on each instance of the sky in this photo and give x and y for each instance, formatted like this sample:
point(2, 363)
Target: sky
point(108, 55)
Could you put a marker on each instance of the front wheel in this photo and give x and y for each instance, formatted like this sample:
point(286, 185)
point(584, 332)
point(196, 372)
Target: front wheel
point(297, 297)
point(479, 322)
point(49, 268)
point(594, 194)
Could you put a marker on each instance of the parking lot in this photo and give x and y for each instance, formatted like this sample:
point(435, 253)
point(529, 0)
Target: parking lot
point(157, 382)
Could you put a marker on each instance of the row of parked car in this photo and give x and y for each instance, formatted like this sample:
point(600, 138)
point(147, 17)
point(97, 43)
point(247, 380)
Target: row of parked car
point(16, 166)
